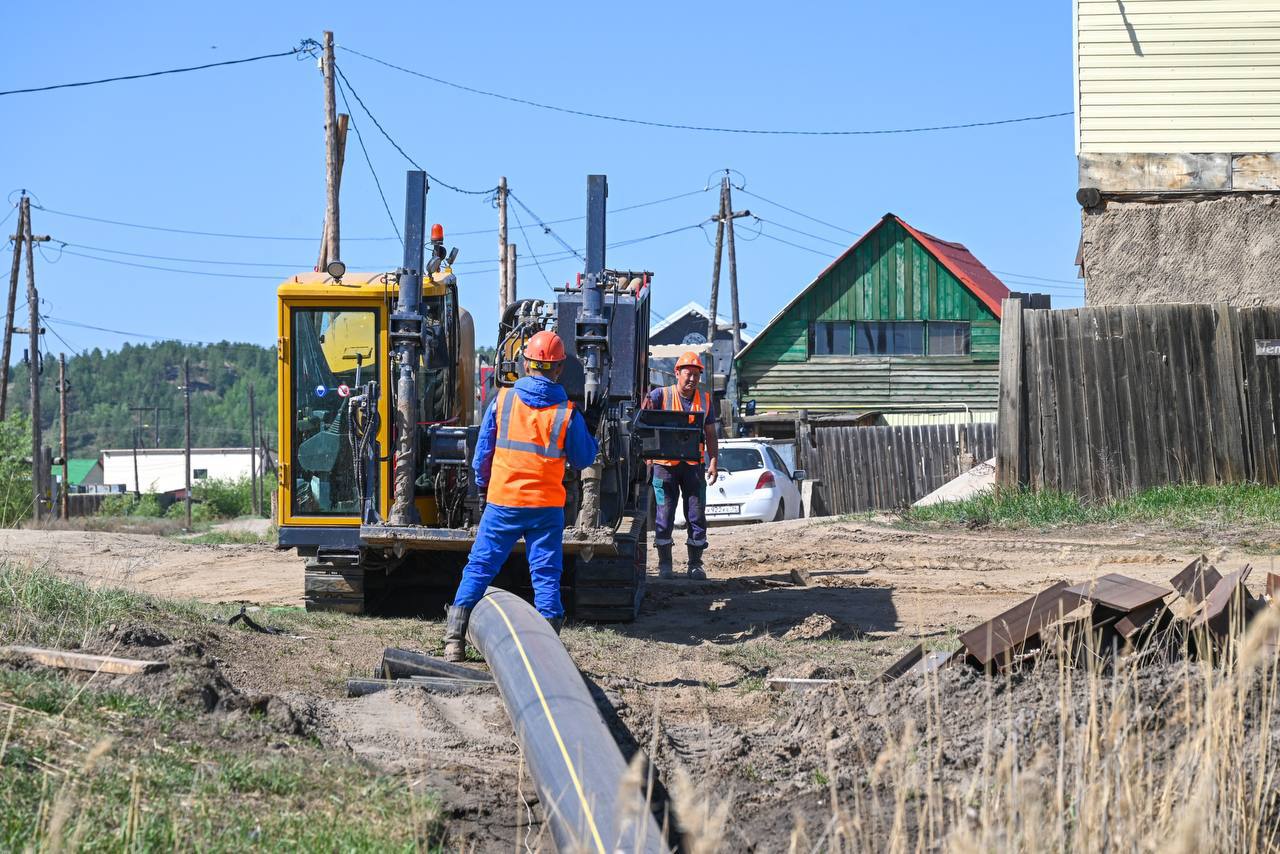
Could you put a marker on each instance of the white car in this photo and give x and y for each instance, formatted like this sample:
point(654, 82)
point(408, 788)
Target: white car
point(754, 485)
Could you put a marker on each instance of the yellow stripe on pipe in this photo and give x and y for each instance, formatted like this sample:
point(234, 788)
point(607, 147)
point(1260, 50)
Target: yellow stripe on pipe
point(555, 730)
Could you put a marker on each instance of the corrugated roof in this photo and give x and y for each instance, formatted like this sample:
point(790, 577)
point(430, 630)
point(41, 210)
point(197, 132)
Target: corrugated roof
point(954, 256)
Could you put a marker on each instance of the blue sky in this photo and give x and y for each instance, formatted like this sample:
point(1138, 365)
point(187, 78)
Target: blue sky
point(240, 150)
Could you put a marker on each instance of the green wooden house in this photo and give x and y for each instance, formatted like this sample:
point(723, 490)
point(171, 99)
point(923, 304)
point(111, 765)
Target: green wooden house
point(901, 322)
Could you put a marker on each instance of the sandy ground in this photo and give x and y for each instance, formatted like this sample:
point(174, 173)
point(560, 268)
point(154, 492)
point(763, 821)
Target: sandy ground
point(687, 677)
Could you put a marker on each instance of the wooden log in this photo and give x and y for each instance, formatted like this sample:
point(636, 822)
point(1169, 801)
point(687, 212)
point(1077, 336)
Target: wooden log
point(64, 660)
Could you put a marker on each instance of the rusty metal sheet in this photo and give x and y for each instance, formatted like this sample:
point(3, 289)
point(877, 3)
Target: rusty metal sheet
point(1216, 611)
point(934, 661)
point(1196, 579)
point(1019, 624)
point(1120, 592)
point(903, 664)
point(1136, 620)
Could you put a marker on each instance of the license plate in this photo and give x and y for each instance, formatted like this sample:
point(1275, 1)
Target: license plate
point(724, 509)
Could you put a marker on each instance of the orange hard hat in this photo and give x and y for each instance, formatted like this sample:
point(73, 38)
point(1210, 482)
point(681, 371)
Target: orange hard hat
point(689, 360)
point(544, 346)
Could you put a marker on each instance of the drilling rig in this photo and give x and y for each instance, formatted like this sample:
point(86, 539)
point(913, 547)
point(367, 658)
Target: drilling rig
point(376, 399)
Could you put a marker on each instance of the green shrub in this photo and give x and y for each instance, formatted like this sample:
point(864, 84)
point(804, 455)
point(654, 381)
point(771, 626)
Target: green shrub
point(225, 499)
point(116, 504)
point(148, 506)
point(15, 472)
point(199, 512)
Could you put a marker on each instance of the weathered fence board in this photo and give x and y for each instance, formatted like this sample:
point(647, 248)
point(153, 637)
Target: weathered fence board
point(887, 468)
point(1109, 400)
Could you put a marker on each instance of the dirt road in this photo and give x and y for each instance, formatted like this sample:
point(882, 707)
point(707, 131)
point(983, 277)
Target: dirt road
point(686, 679)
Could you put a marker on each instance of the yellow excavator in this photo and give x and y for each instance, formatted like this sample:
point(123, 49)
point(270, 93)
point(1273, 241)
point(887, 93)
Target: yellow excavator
point(376, 400)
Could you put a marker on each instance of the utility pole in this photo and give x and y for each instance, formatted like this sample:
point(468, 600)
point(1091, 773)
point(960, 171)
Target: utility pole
point(137, 439)
point(33, 299)
point(511, 273)
point(253, 456)
point(724, 219)
point(343, 120)
point(503, 261)
point(332, 163)
point(64, 500)
point(19, 238)
point(262, 469)
point(186, 411)
point(715, 267)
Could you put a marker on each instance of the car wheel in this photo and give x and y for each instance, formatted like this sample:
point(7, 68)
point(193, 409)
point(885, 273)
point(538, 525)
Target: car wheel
point(782, 511)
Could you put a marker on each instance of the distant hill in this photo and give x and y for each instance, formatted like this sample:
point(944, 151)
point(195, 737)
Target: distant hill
point(105, 387)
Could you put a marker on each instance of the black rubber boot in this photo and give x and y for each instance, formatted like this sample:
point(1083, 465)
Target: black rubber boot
point(664, 561)
point(557, 623)
point(696, 572)
point(455, 634)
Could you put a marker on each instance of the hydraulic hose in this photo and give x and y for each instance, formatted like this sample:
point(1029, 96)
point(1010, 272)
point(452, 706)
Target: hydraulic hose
point(573, 759)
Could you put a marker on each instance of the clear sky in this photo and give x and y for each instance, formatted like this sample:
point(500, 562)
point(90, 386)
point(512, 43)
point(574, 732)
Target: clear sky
point(240, 150)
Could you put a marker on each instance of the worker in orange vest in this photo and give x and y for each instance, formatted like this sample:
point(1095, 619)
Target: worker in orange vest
point(673, 477)
point(528, 435)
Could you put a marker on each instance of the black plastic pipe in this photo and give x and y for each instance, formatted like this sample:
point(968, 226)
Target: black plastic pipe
point(401, 663)
point(573, 759)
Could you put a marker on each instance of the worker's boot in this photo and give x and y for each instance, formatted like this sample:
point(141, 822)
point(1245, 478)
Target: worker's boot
point(664, 561)
point(557, 623)
point(696, 572)
point(455, 634)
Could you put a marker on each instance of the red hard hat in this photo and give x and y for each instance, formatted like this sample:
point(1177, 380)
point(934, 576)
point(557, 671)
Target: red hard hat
point(689, 360)
point(544, 346)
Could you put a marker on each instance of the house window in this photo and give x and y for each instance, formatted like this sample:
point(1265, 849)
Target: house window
point(948, 339)
point(200, 474)
point(829, 338)
point(888, 338)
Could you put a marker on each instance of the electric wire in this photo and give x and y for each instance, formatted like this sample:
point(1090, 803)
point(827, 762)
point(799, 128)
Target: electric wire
point(168, 269)
point(80, 325)
point(63, 243)
point(396, 145)
point(75, 350)
point(190, 231)
point(532, 254)
point(678, 126)
point(798, 231)
point(796, 212)
point(545, 227)
point(826, 255)
point(580, 218)
point(297, 50)
point(374, 172)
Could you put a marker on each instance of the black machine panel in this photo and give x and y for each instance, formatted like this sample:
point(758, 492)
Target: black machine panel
point(624, 316)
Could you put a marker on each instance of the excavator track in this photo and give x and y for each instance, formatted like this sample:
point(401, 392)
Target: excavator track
point(610, 589)
point(342, 585)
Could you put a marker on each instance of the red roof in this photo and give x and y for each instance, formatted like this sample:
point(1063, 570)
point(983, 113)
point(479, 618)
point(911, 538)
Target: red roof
point(960, 261)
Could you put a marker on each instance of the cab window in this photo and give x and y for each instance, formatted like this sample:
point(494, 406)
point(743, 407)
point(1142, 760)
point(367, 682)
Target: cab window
point(335, 351)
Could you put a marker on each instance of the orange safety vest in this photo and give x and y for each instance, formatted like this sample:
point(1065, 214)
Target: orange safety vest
point(671, 401)
point(528, 460)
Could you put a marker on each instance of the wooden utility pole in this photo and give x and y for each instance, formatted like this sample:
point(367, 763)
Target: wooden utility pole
point(33, 300)
point(64, 502)
point(724, 220)
point(343, 119)
point(264, 451)
point(253, 456)
point(137, 440)
point(511, 273)
point(503, 261)
point(19, 239)
point(715, 268)
point(331, 157)
point(186, 411)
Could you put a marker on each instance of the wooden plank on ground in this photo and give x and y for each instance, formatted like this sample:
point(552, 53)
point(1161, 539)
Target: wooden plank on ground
point(1009, 459)
point(1195, 580)
point(1003, 634)
point(1120, 592)
point(65, 660)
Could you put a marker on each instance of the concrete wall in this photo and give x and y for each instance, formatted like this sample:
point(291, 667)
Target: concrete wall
point(1183, 249)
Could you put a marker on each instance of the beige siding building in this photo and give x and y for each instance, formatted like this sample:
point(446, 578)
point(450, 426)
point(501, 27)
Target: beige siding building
point(1178, 139)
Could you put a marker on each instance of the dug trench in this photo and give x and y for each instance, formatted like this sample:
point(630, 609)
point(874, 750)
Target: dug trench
point(687, 682)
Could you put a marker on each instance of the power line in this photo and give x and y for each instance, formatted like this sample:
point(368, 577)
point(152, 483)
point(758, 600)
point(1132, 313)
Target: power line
point(396, 145)
point(303, 48)
point(798, 231)
point(794, 211)
point(58, 335)
point(529, 245)
point(190, 231)
point(796, 245)
point(168, 269)
point(1038, 278)
point(676, 126)
point(545, 227)
point(77, 323)
point(64, 243)
point(359, 138)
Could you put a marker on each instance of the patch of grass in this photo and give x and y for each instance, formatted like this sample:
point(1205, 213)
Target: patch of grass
point(230, 538)
point(1185, 504)
point(38, 607)
point(751, 683)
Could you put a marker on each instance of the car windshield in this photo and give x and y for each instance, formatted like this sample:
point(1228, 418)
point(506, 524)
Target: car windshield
point(740, 459)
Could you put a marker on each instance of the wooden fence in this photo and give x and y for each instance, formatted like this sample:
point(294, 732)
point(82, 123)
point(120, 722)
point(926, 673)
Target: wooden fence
point(886, 468)
point(1107, 401)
